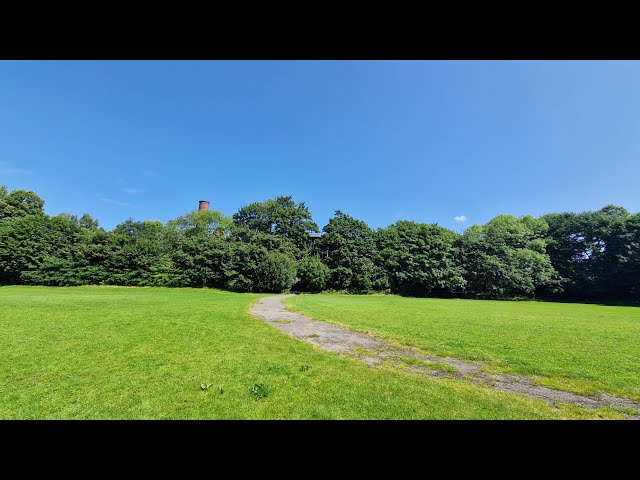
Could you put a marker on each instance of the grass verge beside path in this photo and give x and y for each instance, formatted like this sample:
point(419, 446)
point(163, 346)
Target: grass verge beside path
point(581, 348)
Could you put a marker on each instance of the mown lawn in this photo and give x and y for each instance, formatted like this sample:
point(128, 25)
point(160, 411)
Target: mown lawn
point(576, 347)
point(142, 353)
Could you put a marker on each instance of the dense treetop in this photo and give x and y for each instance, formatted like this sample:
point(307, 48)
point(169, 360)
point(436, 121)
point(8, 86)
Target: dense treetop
point(266, 247)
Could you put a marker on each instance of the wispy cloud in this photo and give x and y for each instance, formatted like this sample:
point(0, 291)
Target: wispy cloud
point(460, 218)
point(149, 173)
point(116, 202)
point(132, 191)
point(6, 169)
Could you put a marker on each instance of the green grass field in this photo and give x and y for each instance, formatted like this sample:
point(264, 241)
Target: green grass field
point(576, 347)
point(124, 353)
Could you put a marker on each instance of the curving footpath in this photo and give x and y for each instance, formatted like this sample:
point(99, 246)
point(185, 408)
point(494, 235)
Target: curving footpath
point(377, 351)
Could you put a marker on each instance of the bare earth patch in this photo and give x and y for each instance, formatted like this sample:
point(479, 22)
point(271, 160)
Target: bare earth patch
point(377, 351)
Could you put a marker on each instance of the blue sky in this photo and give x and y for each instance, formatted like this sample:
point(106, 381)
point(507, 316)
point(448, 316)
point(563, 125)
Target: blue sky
point(380, 140)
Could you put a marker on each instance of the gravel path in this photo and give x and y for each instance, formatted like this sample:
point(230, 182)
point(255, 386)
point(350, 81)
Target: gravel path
point(375, 351)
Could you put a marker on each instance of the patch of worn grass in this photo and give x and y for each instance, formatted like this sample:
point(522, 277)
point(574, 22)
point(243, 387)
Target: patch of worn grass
point(575, 347)
point(145, 353)
point(362, 352)
point(424, 363)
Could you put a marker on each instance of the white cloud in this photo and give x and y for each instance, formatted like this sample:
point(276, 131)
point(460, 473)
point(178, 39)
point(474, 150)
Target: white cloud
point(5, 169)
point(132, 191)
point(116, 202)
point(149, 173)
point(460, 218)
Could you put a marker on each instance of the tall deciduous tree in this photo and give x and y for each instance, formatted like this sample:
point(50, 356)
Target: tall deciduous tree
point(629, 272)
point(594, 251)
point(203, 262)
point(141, 254)
point(506, 257)
point(202, 223)
point(279, 216)
point(27, 242)
point(420, 258)
point(349, 249)
point(20, 203)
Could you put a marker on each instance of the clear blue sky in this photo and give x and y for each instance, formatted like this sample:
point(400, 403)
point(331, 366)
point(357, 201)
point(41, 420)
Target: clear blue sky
point(382, 141)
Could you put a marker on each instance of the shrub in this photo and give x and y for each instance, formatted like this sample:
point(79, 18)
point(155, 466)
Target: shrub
point(312, 274)
point(275, 272)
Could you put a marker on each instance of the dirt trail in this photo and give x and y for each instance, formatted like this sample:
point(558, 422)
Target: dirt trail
point(375, 351)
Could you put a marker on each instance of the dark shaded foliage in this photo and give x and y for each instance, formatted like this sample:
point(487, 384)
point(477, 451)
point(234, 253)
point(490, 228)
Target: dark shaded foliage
point(596, 253)
point(349, 250)
point(420, 258)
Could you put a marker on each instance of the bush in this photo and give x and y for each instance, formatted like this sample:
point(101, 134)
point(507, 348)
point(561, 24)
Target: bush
point(312, 275)
point(275, 272)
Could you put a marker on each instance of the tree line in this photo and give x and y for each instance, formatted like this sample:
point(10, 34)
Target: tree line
point(266, 247)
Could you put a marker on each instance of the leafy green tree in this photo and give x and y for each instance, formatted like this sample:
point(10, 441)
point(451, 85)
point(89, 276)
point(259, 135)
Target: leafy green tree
point(240, 271)
point(242, 267)
point(203, 262)
point(201, 223)
point(93, 256)
point(593, 251)
point(313, 275)
point(87, 221)
point(270, 242)
point(567, 246)
point(140, 254)
point(252, 268)
point(629, 271)
point(275, 272)
point(20, 203)
point(349, 249)
point(506, 257)
point(420, 259)
point(612, 249)
point(279, 216)
point(78, 257)
point(26, 242)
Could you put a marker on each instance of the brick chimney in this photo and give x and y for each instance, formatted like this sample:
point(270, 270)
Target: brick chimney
point(203, 205)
